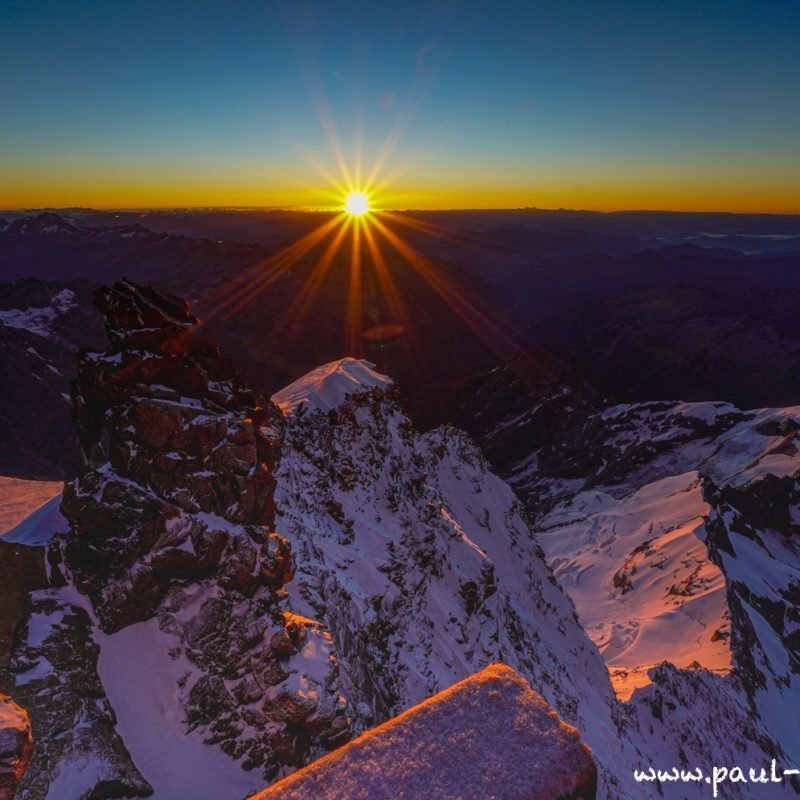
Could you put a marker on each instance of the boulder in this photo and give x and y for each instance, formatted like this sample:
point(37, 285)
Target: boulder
point(490, 735)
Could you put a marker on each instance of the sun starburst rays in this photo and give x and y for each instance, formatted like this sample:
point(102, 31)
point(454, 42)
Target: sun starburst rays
point(350, 243)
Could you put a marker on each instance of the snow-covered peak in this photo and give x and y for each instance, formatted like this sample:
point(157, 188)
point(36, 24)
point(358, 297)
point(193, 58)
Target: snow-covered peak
point(328, 386)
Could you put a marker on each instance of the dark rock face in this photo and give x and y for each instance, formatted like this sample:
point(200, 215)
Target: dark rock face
point(22, 570)
point(167, 430)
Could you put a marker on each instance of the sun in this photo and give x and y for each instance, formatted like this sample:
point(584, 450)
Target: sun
point(356, 204)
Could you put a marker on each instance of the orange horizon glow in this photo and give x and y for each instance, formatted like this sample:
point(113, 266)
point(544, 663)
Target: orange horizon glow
point(612, 202)
point(319, 190)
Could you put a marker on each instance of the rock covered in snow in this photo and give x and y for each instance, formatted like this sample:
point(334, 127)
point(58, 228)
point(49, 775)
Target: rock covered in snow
point(487, 736)
point(16, 746)
point(328, 386)
point(423, 566)
point(78, 752)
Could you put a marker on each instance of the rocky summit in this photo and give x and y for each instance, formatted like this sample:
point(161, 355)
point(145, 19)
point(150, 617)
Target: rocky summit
point(177, 455)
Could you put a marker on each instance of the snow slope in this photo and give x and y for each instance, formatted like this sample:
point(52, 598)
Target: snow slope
point(142, 681)
point(641, 579)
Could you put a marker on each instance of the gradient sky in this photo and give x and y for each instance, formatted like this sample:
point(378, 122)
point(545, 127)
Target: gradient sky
point(680, 105)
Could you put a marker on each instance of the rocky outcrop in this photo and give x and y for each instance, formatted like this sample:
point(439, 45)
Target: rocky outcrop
point(488, 736)
point(171, 544)
point(16, 746)
point(177, 456)
point(22, 570)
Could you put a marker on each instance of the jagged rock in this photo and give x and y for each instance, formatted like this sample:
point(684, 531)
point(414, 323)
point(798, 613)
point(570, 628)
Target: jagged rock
point(78, 752)
point(16, 746)
point(171, 549)
point(488, 736)
point(176, 452)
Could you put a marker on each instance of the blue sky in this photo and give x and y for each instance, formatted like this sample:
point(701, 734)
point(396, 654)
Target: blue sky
point(536, 102)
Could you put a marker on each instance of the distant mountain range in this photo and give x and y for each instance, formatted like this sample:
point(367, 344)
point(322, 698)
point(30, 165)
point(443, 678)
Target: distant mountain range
point(630, 306)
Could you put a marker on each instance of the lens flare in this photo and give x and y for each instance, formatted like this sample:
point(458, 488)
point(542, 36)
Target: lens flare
point(357, 204)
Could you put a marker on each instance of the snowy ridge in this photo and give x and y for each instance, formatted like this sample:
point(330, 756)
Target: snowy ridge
point(424, 567)
point(328, 386)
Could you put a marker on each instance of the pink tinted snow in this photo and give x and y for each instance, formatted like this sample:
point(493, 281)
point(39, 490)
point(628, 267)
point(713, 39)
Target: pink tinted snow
point(489, 736)
point(328, 386)
point(19, 498)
